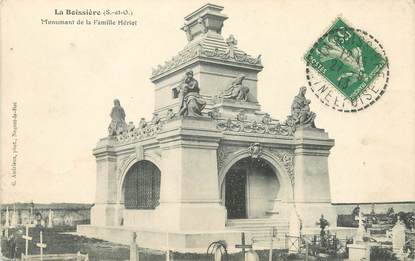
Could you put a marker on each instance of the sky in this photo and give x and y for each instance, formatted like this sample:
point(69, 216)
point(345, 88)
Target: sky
point(63, 79)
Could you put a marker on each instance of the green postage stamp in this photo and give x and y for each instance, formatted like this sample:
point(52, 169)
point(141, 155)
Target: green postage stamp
point(349, 59)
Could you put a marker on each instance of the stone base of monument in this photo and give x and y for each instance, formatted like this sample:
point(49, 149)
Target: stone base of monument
point(192, 242)
point(360, 251)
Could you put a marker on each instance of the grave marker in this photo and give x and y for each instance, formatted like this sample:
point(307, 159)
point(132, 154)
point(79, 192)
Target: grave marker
point(50, 219)
point(27, 239)
point(398, 237)
point(14, 217)
point(273, 235)
point(243, 246)
point(7, 224)
point(168, 247)
point(41, 245)
point(134, 248)
point(360, 230)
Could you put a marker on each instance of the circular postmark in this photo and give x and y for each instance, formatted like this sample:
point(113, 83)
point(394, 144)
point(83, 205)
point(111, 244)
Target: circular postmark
point(347, 68)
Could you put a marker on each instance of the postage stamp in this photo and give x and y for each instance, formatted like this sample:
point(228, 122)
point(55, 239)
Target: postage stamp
point(347, 68)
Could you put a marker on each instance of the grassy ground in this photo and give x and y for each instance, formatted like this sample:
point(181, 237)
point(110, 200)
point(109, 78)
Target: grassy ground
point(60, 242)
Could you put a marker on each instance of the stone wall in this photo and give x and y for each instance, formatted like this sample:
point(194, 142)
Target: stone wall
point(381, 207)
point(64, 214)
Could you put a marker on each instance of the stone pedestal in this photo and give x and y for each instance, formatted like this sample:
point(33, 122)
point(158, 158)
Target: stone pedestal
point(104, 211)
point(189, 197)
point(398, 237)
point(312, 184)
point(359, 252)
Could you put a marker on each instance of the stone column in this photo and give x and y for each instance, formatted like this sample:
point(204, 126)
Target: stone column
point(103, 213)
point(312, 183)
point(189, 196)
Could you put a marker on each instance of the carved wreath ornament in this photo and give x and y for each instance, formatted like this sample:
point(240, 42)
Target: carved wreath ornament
point(255, 150)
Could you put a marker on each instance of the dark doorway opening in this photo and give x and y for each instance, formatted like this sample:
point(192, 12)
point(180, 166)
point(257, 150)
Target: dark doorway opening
point(235, 193)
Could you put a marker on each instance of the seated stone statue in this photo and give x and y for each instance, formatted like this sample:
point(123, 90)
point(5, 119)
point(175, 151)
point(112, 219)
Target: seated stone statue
point(236, 91)
point(191, 103)
point(118, 124)
point(300, 110)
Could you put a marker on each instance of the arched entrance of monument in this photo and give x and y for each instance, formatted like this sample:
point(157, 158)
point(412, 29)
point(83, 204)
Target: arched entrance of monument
point(141, 186)
point(250, 189)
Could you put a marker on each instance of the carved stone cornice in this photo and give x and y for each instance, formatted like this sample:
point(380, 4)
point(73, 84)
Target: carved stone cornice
point(200, 51)
point(148, 130)
point(253, 126)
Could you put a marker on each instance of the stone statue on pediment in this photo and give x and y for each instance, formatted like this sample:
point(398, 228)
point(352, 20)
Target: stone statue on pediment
point(130, 126)
point(142, 123)
point(156, 119)
point(266, 119)
point(170, 114)
point(236, 90)
point(231, 42)
point(300, 110)
point(118, 124)
point(191, 103)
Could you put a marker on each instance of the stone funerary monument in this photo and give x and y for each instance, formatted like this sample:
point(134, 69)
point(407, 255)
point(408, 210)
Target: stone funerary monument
point(210, 162)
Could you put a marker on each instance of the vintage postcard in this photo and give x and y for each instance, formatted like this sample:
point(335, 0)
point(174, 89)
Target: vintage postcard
point(207, 130)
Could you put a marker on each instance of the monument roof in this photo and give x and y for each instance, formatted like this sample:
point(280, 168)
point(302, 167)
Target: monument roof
point(203, 29)
point(207, 9)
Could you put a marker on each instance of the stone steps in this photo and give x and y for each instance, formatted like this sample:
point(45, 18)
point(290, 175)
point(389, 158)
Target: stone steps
point(260, 230)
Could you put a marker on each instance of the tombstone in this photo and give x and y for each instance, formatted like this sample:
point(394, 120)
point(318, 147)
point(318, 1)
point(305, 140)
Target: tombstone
point(31, 219)
point(294, 232)
point(167, 247)
point(218, 254)
point(13, 222)
point(372, 211)
point(7, 224)
point(360, 230)
point(359, 251)
point(251, 255)
point(133, 247)
point(273, 235)
point(398, 237)
point(219, 250)
point(50, 219)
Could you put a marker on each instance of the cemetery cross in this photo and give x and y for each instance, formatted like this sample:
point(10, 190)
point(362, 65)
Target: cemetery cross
point(41, 245)
point(27, 239)
point(243, 246)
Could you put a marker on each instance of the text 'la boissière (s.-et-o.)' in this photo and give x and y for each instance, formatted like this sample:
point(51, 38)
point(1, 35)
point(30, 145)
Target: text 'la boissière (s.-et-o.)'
point(91, 17)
